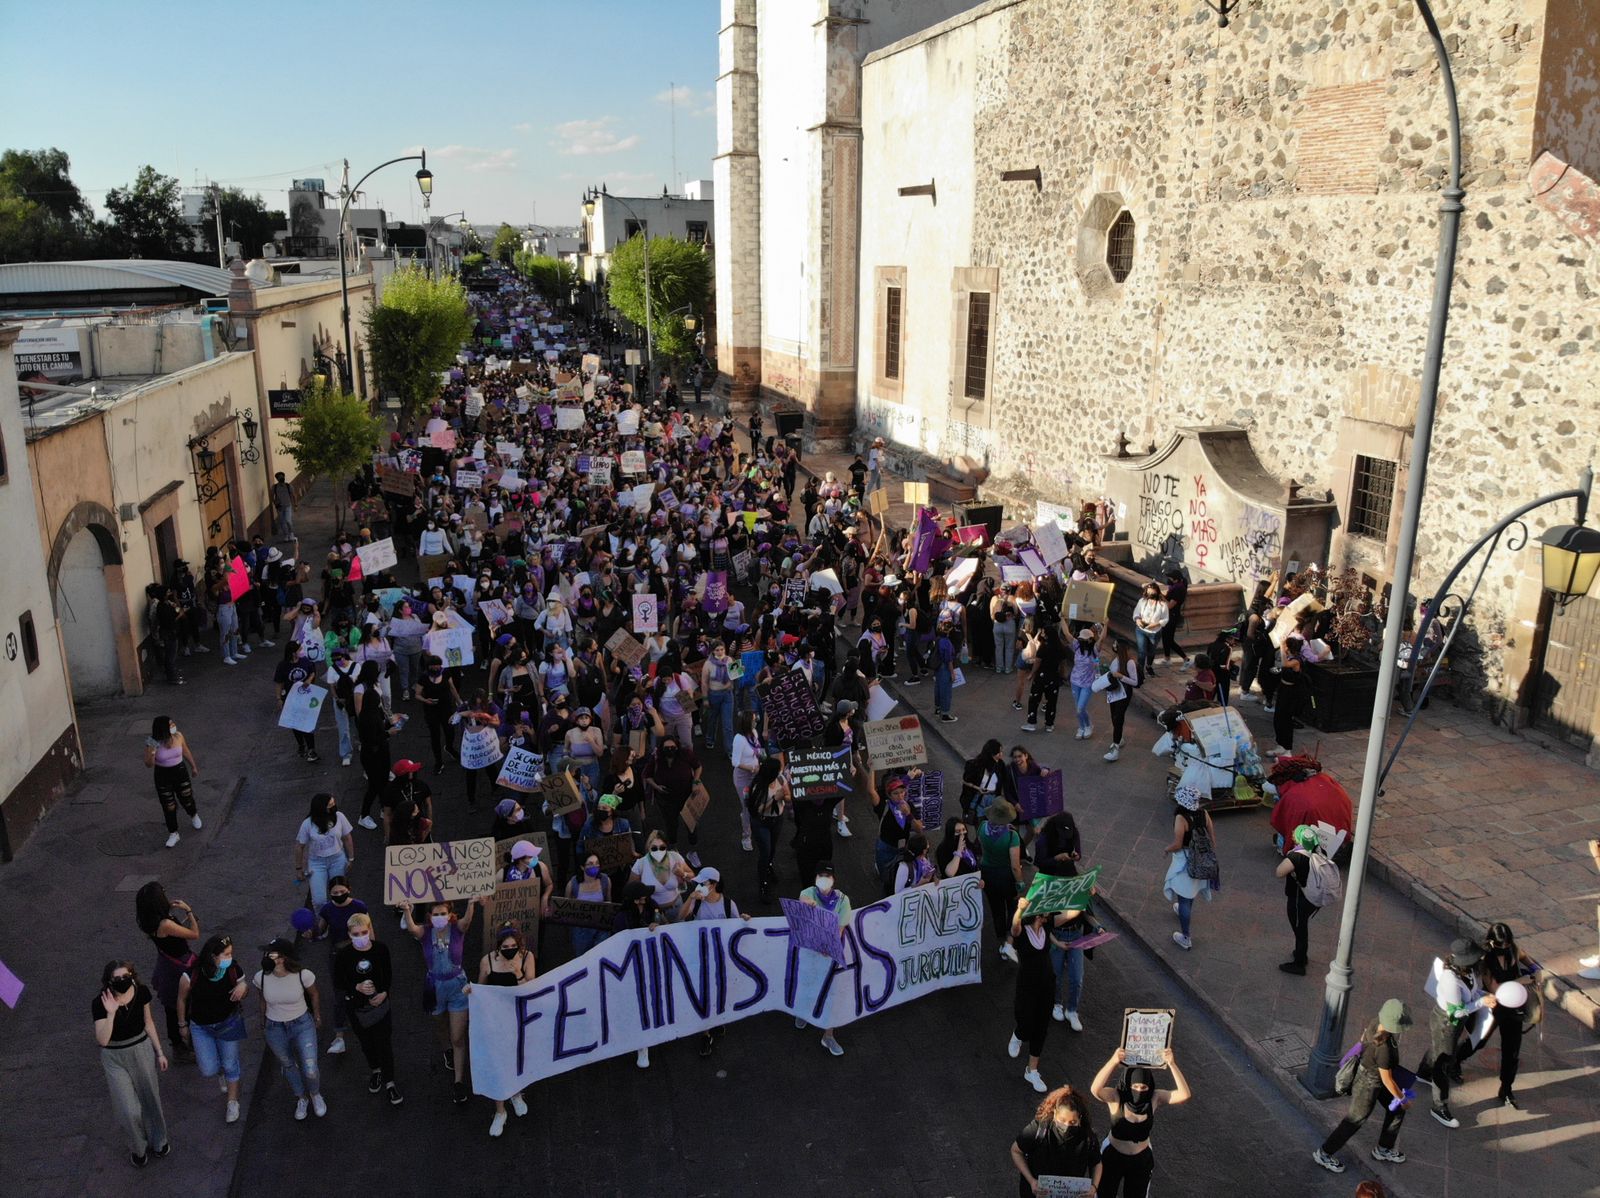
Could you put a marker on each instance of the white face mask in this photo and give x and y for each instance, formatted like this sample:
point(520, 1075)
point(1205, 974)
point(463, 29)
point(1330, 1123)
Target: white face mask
point(824, 885)
point(359, 941)
point(658, 855)
point(441, 921)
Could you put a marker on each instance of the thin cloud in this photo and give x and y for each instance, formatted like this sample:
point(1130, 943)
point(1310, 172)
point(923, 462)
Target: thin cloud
point(523, 127)
point(476, 159)
point(586, 139)
point(688, 99)
point(680, 94)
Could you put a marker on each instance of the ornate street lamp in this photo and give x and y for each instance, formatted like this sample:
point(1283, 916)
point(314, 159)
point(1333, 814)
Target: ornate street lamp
point(1571, 555)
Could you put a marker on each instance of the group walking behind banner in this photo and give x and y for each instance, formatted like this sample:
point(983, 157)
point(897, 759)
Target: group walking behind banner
point(638, 989)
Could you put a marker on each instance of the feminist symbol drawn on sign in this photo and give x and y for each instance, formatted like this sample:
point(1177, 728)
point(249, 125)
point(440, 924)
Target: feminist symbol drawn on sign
point(645, 618)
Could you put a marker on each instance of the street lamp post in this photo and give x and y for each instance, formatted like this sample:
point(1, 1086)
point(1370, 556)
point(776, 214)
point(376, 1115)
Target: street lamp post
point(644, 232)
point(424, 185)
point(431, 226)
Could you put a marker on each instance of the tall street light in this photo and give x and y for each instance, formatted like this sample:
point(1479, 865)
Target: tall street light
point(434, 224)
point(425, 186)
point(644, 231)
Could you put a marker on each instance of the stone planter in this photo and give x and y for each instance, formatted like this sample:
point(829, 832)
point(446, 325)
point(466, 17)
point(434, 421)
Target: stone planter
point(1340, 695)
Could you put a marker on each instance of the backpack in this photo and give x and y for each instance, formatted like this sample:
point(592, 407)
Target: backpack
point(1323, 885)
point(1344, 1081)
point(1203, 865)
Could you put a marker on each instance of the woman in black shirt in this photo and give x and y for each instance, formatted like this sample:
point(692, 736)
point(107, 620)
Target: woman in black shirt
point(1504, 962)
point(362, 975)
point(957, 853)
point(130, 1054)
point(1377, 1079)
point(1059, 1142)
point(210, 1016)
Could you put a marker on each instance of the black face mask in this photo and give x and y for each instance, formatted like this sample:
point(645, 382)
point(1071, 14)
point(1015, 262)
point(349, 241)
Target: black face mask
point(121, 985)
point(1138, 1104)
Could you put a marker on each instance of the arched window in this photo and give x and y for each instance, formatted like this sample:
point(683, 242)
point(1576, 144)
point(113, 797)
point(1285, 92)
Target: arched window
point(1119, 246)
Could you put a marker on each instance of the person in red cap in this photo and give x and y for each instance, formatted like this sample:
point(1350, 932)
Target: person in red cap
point(407, 788)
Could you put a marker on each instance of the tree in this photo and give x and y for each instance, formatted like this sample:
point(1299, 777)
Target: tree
point(245, 219)
point(147, 217)
point(43, 215)
point(507, 242)
point(472, 264)
point(409, 353)
point(333, 437)
point(680, 277)
point(553, 278)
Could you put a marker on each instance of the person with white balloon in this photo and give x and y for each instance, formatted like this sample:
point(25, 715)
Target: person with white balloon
point(1507, 973)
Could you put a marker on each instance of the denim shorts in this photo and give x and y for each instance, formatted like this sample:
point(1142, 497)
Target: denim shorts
point(450, 994)
point(213, 1055)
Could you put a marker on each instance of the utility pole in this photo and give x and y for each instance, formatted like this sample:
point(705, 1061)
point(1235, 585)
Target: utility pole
point(672, 103)
point(216, 207)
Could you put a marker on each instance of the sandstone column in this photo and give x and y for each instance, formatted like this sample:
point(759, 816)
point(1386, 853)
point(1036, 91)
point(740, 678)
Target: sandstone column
point(737, 174)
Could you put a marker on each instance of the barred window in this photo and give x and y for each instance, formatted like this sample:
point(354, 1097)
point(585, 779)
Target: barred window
point(977, 373)
point(891, 333)
point(695, 232)
point(1372, 497)
point(1119, 246)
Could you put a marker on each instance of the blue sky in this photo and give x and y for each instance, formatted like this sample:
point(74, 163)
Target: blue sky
point(520, 105)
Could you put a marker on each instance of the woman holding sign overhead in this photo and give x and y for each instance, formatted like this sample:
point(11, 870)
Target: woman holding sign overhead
point(1127, 1159)
point(444, 990)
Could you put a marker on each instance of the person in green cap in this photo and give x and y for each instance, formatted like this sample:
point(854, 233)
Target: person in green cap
point(1379, 1077)
point(1295, 870)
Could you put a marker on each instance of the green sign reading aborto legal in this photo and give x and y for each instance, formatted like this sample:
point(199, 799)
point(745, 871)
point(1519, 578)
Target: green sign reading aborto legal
point(1048, 894)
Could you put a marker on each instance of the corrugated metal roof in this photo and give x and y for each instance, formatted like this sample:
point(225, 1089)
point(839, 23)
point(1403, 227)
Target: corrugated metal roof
point(110, 274)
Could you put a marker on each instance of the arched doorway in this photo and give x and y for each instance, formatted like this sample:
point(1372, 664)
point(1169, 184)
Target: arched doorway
point(83, 606)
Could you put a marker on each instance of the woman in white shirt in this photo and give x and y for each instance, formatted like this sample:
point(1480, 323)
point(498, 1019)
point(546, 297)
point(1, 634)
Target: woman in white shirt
point(293, 1013)
point(663, 870)
point(746, 760)
point(1150, 616)
point(555, 622)
point(323, 848)
point(433, 541)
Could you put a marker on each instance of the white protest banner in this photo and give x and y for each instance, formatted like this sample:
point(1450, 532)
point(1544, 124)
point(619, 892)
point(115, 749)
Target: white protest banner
point(495, 612)
point(1033, 560)
point(638, 989)
point(400, 626)
point(960, 575)
point(1146, 1035)
point(895, 743)
point(469, 478)
point(1062, 517)
point(1283, 627)
point(1014, 572)
point(1047, 535)
point(437, 873)
point(378, 556)
point(591, 363)
point(508, 451)
point(633, 461)
point(628, 422)
point(302, 707)
point(828, 581)
point(473, 406)
point(453, 646)
point(879, 701)
point(569, 419)
point(646, 616)
point(641, 495)
point(522, 772)
point(479, 747)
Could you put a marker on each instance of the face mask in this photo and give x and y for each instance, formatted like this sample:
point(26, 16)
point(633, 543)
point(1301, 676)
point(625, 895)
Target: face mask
point(701, 891)
point(121, 985)
point(268, 965)
point(341, 899)
point(824, 885)
point(440, 921)
point(658, 855)
point(508, 952)
point(172, 730)
point(222, 968)
point(361, 942)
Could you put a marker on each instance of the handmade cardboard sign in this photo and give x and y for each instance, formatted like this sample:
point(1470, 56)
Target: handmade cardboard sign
point(1049, 894)
point(1048, 537)
point(302, 707)
point(1089, 601)
point(435, 873)
point(1040, 797)
point(522, 771)
point(1054, 1185)
point(615, 852)
point(896, 743)
point(814, 928)
point(627, 648)
point(633, 461)
point(561, 793)
point(792, 713)
point(1146, 1035)
point(515, 905)
point(819, 775)
point(699, 800)
point(646, 613)
point(878, 502)
point(569, 419)
point(378, 556)
point(925, 793)
point(580, 913)
point(480, 747)
point(915, 493)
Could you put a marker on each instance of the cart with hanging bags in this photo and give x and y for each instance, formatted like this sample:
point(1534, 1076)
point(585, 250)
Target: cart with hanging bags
point(1212, 751)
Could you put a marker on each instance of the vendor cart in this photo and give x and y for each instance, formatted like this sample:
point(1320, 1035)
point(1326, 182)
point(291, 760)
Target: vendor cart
point(1212, 751)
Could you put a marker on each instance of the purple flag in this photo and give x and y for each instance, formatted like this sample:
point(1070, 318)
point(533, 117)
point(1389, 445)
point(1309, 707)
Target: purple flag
point(924, 541)
point(716, 597)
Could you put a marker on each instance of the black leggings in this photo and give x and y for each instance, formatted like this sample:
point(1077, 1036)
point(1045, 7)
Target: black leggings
point(1169, 635)
point(1119, 712)
point(1000, 889)
point(1129, 1171)
point(377, 1045)
point(1300, 909)
point(305, 742)
point(1509, 1022)
point(1046, 685)
point(375, 764)
point(172, 788)
point(437, 734)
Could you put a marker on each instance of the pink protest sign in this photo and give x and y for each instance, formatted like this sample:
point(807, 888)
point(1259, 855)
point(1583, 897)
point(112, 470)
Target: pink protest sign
point(238, 579)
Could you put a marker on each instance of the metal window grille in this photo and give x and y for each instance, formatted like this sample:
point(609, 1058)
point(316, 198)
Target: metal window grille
point(891, 333)
point(1372, 497)
point(977, 381)
point(1119, 246)
point(695, 232)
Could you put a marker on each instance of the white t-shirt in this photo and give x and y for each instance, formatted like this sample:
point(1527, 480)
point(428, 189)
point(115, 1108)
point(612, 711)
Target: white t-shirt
point(286, 996)
point(665, 890)
point(324, 844)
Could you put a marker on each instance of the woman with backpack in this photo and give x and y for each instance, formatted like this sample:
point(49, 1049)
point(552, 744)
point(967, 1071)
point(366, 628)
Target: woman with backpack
point(1377, 1076)
point(1305, 893)
point(1193, 870)
point(1121, 680)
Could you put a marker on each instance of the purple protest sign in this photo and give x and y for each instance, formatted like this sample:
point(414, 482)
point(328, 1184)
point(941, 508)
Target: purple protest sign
point(814, 928)
point(547, 416)
point(716, 597)
point(11, 986)
point(925, 793)
point(924, 541)
point(1040, 797)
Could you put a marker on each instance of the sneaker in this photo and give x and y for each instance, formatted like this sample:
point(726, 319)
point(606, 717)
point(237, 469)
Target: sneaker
point(1509, 1099)
point(1074, 1022)
point(642, 1058)
point(1049, 727)
point(1088, 732)
point(1015, 706)
point(1080, 734)
point(1030, 726)
point(842, 828)
point(1295, 967)
point(1249, 697)
point(1008, 953)
point(300, 1107)
point(228, 661)
point(519, 1104)
point(498, 1123)
point(172, 840)
point(1185, 664)
point(366, 821)
point(1389, 1156)
point(313, 757)
point(395, 1097)
point(345, 760)
point(186, 651)
point(202, 649)
point(460, 1093)
point(266, 644)
point(337, 1046)
point(244, 651)
point(1014, 1046)
point(833, 1046)
point(319, 1106)
point(944, 718)
point(1589, 962)
point(799, 1023)
point(1182, 941)
point(233, 1112)
point(1331, 1163)
point(1058, 1013)
point(1592, 975)
point(375, 1082)
point(139, 1159)
point(912, 681)
point(1114, 753)
point(1268, 708)
point(163, 1152)
point(1441, 1112)
point(744, 843)
point(1031, 1076)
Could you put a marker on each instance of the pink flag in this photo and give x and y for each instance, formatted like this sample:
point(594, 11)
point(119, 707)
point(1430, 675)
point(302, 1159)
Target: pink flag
point(238, 579)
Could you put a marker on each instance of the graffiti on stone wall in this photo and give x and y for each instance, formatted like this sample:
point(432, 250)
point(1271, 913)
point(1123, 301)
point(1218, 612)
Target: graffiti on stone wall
point(1161, 515)
point(1251, 554)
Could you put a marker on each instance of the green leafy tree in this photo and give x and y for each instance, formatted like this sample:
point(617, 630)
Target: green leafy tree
point(473, 263)
point(553, 278)
point(334, 436)
point(43, 215)
point(147, 217)
point(507, 242)
point(245, 219)
point(410, 350)
point(680, 277)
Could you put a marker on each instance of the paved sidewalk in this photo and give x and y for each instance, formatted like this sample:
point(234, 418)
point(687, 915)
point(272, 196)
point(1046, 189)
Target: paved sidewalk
point(1478, 824)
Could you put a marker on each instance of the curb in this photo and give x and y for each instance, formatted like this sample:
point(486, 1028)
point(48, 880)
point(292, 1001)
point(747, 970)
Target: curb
point(1314, 1110)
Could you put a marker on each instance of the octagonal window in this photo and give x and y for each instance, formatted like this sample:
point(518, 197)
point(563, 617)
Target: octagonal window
point(1119, 246)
